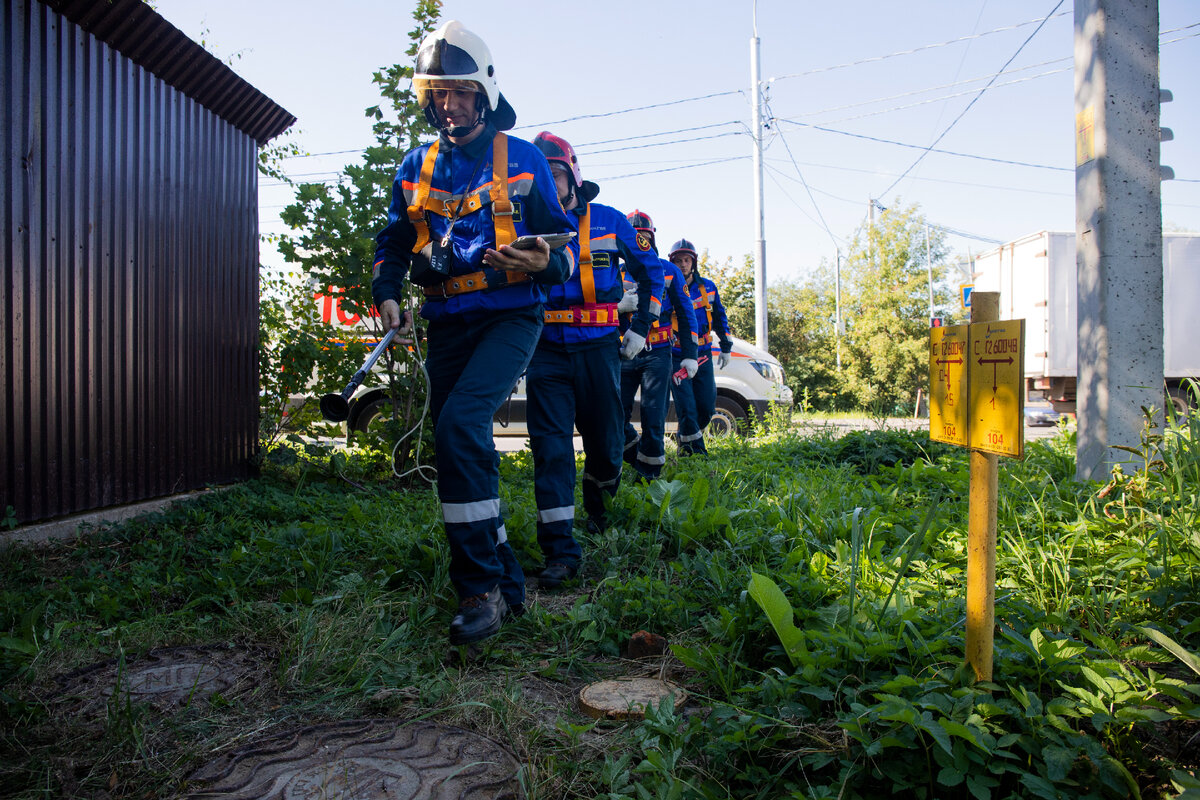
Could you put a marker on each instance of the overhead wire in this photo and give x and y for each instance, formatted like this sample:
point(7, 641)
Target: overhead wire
point(974, 100)
point(800, 173)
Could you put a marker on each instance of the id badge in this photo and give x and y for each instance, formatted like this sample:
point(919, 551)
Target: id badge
point(440, 257)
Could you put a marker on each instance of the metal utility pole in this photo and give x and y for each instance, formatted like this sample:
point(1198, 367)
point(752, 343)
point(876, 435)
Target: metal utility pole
point(760, 236)
point(1118, 228)
point(929, 269)
point(838, 329)
point(870, 232)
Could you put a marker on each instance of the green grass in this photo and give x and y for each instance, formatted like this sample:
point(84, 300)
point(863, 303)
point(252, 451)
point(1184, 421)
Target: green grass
point(845, 680)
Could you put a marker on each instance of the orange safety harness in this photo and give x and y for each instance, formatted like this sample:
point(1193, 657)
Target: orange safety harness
point(591, 313)
point(502, 219)
point(700, 302)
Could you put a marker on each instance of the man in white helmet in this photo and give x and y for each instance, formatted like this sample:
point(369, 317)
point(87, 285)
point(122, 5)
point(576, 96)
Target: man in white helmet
point(457, 204)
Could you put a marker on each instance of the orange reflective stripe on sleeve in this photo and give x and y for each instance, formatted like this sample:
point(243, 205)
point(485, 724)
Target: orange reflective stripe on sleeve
point(502, 207)
point(586, 280)
point(416, 212)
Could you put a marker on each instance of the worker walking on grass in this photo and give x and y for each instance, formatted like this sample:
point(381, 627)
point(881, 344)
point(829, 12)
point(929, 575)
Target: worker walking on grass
point(696, 400)
point(650, 370)
point(575, 375)
point(457, 206)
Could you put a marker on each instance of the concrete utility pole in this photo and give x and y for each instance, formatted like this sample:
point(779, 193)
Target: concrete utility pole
point(760, 236)
point(1118, 227)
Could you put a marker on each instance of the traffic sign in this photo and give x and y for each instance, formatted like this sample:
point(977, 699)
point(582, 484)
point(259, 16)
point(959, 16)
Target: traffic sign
point(948, 351)
point(996, 368)
point(965, 294)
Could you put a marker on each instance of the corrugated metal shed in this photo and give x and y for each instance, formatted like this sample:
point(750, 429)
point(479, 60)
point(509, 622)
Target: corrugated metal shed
point(129, 270)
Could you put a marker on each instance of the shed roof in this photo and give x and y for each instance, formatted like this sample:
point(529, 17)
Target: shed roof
point(143, 36)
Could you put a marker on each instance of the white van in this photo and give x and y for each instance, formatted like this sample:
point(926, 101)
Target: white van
point(752, 383)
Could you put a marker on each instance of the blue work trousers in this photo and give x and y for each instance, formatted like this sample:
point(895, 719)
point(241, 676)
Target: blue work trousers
point(690, 433)
point(568, 390)
point(472, 368)
point(704, 387)
point(650, 371)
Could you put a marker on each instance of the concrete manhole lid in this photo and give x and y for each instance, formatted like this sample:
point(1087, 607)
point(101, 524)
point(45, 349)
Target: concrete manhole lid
point(627, 698)
point(364, 760)
point(169, 676)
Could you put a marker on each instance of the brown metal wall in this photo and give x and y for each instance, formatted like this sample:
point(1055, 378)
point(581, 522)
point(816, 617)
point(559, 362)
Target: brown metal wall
point(129, 282)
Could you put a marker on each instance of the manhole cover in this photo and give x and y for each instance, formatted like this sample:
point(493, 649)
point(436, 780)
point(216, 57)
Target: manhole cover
point(363, 760)
point(627, 698)
point(169, 676)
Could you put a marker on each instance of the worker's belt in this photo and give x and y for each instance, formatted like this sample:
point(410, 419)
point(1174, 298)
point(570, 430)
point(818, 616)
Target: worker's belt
point(475, 282)
point(705, 339)
point(599, 315)
point(658, 335)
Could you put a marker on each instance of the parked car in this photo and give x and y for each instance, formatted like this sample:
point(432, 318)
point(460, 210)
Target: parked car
point(1040, 413)
point(751, 384)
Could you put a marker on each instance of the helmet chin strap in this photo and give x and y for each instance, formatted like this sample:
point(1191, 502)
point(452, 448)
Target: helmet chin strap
point(565, 201)
point(457, 131)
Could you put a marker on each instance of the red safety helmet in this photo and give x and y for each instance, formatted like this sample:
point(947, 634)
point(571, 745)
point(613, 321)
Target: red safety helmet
point(558, 150)
point(640, 221)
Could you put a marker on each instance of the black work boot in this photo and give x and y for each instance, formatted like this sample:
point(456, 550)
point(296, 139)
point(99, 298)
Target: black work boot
point(479, 617)
point(555, 575)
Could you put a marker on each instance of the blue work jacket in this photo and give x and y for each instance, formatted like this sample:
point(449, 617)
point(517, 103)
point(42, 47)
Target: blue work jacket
point(536, 211)
point(613, 244)
point(710, 315)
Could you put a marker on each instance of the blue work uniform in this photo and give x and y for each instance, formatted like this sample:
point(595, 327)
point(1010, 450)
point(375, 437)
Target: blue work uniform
point(696, 399)
point(651, 372)
point(574, 377)
point(483, 326)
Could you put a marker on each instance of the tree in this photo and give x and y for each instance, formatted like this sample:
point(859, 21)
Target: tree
point(334, 224)
point(799, 326)
point(886, 308)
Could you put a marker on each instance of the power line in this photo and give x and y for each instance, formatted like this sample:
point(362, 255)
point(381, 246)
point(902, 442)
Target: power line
point(816, 207)
point(1039, 22)
point(880, 140)
point(974, 100)
point(673, 169)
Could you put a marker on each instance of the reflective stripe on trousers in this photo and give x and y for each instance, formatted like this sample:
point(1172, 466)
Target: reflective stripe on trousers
point(569, 390)
point(651, 371)
point(472, 367)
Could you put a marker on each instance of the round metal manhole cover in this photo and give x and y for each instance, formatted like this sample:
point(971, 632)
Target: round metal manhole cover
point(363, 760)
point(169, 676)
point(627, 698)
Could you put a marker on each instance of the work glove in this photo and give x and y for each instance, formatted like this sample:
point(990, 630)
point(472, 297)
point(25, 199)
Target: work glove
point(628, 302)
point(722, 360)
point(690, 365)
point(632, 345)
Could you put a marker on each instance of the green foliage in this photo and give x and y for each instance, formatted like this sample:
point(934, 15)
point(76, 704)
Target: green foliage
point(812, 591)
point(331, 244)
point(886, 307)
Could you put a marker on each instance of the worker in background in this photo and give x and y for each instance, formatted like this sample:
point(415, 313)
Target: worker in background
point(457, 204)
point(650, 370)
point(696, 400)
point(574, 379)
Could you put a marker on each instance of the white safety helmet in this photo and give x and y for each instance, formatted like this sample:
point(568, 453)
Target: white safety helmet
point(451, 54)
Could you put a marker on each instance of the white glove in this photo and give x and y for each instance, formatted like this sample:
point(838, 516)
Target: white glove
point(690, 365)
point(628, 302)
point(722, 360)
point(632, 345)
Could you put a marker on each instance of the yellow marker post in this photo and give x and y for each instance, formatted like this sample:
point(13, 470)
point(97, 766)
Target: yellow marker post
point(981, 531)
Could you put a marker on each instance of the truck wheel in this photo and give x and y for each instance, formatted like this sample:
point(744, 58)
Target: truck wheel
point(728, 419)
point(1180, 399)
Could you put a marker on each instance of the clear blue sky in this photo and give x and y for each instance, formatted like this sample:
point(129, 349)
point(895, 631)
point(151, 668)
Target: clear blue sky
point(845, 66)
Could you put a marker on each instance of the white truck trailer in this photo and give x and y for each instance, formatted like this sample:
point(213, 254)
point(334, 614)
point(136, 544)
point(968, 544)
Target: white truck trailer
point(1036, 279)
